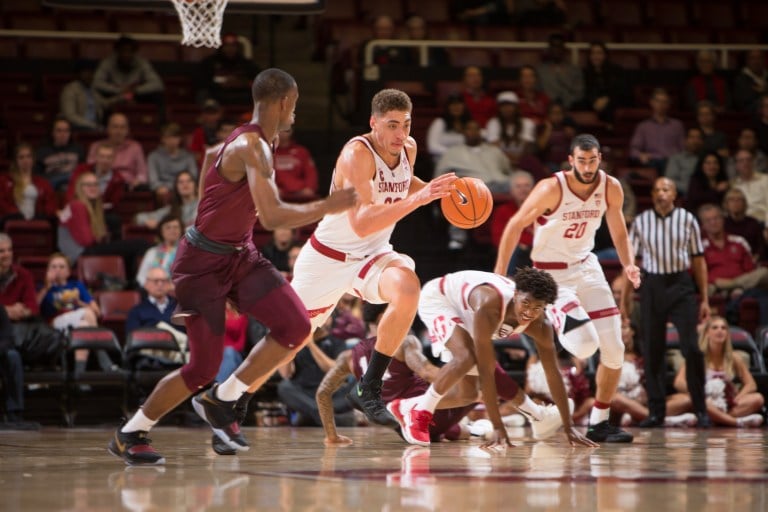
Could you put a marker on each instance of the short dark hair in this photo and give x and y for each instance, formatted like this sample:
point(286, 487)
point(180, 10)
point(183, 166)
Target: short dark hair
point(271, 85)
point(388, 100)
point(167, 219)
point(585, 142)
point(538, 283)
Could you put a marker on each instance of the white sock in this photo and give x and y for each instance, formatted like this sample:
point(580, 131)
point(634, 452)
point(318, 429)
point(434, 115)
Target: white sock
point(231, 389)
point(139, 423)
point(531, 408)
point(599, 415)
point(429, 400)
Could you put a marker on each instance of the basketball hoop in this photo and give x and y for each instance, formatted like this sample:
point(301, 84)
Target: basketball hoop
point(201, 21)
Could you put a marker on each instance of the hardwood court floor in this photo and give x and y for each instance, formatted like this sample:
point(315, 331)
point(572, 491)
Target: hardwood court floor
point(289, 469)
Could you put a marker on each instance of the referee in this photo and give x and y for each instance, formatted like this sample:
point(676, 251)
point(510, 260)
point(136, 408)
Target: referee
point(668, 240)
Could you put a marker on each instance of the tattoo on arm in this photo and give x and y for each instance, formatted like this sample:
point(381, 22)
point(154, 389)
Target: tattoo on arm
point(332, 381)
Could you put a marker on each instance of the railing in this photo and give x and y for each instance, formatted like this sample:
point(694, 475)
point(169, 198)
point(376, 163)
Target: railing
point(111, 36)
point(722, 50)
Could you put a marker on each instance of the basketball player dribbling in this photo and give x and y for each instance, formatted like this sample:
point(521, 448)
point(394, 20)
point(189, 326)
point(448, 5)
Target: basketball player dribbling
point(350, 251)
point(217, 261)
point(566, 211)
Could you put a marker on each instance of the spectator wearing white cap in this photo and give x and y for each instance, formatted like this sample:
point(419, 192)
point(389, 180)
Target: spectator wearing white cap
point(514, 134)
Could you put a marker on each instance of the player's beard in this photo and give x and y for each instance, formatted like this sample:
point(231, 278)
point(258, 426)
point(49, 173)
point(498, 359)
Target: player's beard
point(580, 177)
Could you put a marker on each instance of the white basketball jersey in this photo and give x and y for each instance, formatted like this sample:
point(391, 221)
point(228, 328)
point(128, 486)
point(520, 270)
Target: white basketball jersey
point(457, 286)
point(567, 234)
point(389, 185)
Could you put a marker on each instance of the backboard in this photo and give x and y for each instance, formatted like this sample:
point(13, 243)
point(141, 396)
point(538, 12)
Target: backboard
point(233, 6)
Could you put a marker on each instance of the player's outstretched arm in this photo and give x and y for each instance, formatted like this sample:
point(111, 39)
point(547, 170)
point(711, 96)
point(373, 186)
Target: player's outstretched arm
point(543, 336)
point(617, 226)
point(487, 304)
point(415, 359)
point(544, 197)
point(274, 213)
point(324, 398)
point(357, 168)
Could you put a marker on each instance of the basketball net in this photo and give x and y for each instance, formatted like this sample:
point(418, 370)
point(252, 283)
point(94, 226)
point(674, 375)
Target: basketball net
point(201, 21)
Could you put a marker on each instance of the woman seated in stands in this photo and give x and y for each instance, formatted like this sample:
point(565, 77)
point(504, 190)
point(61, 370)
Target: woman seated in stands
point(24, 195)
point(708, 184)
point(83, 230)
point(163, 254)
point(447, 130)
point(732, 396)
point(513, 133)
point(183, 204)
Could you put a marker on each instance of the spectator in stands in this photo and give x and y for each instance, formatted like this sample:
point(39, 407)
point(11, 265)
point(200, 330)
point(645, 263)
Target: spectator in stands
point(416, 29)
point(534, 103)
point(559, 78)
point(554, 138)
point(235, 334)
point(714, 139)
point(754, 185)
point(480, 12)
point(513, 133)
point(12, 379)
point(751, 83)
point(605, 87)
point(17, 285)
point(276, 251)
point(384, 28)
point(163, 254)
point(129, 158)
point(124, 77)
point(737, 222)
point(657, 138)
point(66, 302)
point(727, 404)
point(111, 183)
point(447, 130)
point(707, 85)
point(225, 127)
point(680, 166)
point(295, 171)
point(748, 140)
point(761, 124)
point(481, 105)
point(226, 75)
point(58, 155)
point(205, 134)
point(167, 161)
point(520, 185)
point(302, 376)
point(156, 308)
point(183, 204)
point(24, 195)
point(81, 104)
point(82, 227)
point(708, 183)
point(731, 269)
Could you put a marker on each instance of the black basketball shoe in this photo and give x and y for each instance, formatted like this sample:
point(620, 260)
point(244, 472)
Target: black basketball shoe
point(134, 448)
point(241, 409)
point(222, 418)
point(367, 398)
point(604, 432)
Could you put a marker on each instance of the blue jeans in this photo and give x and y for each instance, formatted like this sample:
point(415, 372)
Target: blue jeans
point(229, 363)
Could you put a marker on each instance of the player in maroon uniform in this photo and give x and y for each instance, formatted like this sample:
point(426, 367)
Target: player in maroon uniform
point(217, 261)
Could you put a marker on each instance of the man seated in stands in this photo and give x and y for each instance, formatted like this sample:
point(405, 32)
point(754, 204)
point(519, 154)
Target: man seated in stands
point(58, 155)
point(754, 185)
point(658, 137)
point(681, 165)
point(748, 140)
point(129, 158)
point(167, 161)
point(227, 74)
point(81, 104)
point(559, 78)
point(707, 85)
point(737, 222)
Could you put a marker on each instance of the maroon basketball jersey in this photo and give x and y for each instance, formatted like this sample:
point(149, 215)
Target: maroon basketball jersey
point(226, 213)
point(399, 380)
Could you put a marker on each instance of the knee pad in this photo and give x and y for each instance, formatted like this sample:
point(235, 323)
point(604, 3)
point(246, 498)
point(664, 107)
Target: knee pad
point(200, 372)
point(582, 341)
point(291, 332)
point(611, 346)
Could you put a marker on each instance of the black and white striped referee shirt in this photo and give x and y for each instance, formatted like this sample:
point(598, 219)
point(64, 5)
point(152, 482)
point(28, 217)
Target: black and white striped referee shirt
point(666, 244)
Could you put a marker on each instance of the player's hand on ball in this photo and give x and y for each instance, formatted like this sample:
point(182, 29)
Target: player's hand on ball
point(341, 200)
point(575, 438)
point(437, 188)
point(339, 440)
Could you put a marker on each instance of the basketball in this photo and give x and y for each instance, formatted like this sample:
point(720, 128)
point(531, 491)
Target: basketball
point(469, 204)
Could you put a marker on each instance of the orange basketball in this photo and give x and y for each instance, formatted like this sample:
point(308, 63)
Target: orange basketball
point(469, 204)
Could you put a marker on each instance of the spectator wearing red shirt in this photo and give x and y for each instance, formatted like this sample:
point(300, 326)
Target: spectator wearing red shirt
point(706, 84)
point(205, 135)
point(17, 286)
point(24, 195)
point(731, 269)
point(534, 103)
point(481, 105)
point(520, 185)
point(295, 171)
